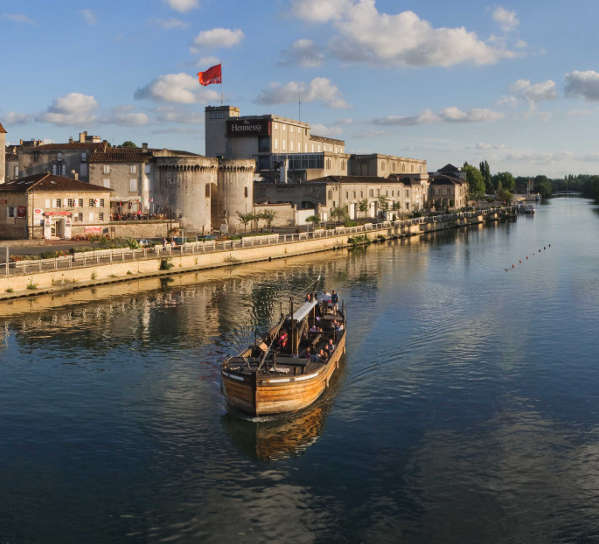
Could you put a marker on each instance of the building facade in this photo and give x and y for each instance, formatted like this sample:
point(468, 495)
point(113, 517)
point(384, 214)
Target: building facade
point(285, 147)
point(2, 154)
point(51, 207)
point(60, 159)
point(448, 188)
point(377, 165)
point(359, 196)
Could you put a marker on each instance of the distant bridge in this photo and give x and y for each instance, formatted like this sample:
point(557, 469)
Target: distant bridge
point(567, 193)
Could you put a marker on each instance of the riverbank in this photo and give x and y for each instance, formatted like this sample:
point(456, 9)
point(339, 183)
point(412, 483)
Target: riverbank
point(166, 264)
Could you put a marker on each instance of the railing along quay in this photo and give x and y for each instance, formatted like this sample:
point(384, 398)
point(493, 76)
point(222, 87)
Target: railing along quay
point(86, 259)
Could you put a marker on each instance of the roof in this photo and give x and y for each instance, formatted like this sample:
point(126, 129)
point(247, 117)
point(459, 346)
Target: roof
point(49, 182)
point(442, 179)
point(357, 179)
point(326, 139)
point(366, 156)
point(75, 146)
point(2, 130)
point(120, 154)
point(449, 169)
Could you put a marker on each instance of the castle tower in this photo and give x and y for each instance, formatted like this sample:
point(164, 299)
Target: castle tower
point(216, 129)
point(2, 154)
point(234, 193)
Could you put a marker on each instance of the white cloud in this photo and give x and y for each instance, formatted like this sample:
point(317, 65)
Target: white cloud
point(206, 62)
point(170, 114)
point(320, 11)
point(326, 130)
point(304, 53)
point(584, 84)
point(363, 34)
point(534, 92)
point(219, 37)
point(427, 116)
point(475, 115)
point(506, 19)
point(483, 146)
point(88, 16)
point(447, 115)
point(71, 109)
point(170, 23)
point(18, 18)
point(14, 118)
point(179, 88)
point(126, 116)
point(320, 89)
point(182, 5)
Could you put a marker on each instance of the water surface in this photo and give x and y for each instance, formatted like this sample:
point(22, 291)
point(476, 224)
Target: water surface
point(466, 409)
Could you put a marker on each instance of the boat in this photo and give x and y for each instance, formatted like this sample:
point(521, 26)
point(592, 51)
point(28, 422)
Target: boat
point(283, 371)
point(526, 209)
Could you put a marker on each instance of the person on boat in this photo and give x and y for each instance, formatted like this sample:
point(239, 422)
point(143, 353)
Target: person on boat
point(308, 297)
point(331, 346)
point(322, 355)
point(314, 328)
point(283, 339)
point(334, 299)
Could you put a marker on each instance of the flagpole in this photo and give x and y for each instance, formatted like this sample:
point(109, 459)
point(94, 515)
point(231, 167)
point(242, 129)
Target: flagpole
point(222, 87)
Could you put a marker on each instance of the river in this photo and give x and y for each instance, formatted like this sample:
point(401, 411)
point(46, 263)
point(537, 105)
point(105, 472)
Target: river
point(466, 409)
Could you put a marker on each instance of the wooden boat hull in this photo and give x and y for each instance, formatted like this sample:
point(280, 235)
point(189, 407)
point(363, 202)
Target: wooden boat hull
point(275, 395)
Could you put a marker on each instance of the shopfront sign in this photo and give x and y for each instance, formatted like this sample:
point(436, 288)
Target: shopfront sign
point(248, 127)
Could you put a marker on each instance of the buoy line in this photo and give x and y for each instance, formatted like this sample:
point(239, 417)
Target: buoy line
point(545, 248)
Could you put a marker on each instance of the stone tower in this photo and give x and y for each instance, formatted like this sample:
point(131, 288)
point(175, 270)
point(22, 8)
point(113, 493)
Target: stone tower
point(216, 129)
point(234, 192)
point(2, 154)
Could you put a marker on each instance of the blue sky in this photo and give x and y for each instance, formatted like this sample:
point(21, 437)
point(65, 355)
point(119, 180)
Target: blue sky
point(516, 83)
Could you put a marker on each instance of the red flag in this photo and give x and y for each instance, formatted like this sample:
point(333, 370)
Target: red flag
point(211, 76)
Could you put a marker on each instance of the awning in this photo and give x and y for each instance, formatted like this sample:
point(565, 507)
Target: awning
point(304, 310)
point(58, 213)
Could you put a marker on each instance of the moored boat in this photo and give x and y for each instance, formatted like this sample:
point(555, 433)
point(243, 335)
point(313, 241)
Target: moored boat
point(292, 365)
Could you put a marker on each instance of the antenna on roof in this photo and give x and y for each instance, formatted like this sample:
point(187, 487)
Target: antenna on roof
point(299, 107)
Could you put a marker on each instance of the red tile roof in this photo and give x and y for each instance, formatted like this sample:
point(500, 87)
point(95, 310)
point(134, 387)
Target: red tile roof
point(49, 182)
point(121, 154)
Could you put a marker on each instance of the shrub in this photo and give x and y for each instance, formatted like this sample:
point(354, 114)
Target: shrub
point(165, 264)
point(10, 290)
point(31, 285)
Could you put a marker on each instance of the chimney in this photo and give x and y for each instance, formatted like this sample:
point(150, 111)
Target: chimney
point(70, 140)
point(82, 137)
point(144, 145)
point(20, 141)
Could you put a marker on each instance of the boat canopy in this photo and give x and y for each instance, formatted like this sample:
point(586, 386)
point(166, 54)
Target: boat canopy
point(304, 310)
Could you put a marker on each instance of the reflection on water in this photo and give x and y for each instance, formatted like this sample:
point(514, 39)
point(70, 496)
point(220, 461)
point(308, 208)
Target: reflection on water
point(465, 411)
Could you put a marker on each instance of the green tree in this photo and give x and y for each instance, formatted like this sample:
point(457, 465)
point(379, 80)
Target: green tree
point(504, 195)
point(383, 204)
point(485, 172)
point(246, 219)
point(506, 179)
point(268, 216)
point(128, 143)
point(543, 186)
point(476, 184)
point(339, 213)
point(363, 205)
point(314, 219)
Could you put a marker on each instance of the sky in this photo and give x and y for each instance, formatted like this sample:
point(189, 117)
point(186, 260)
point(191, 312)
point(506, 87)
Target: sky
point(513, 83)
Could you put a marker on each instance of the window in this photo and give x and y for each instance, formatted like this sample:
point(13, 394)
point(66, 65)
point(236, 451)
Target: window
point(91, 217)
point(48, 205)
point(92, 203)
point(148, 168)
point(107, 169)
point(83, 156)
point(371, 192)
point(16, 171)
point(58, 203)
point(291, 145)
point(275, 144)
point(284, 144)
point(70, 203)
point(133, 185)
point(346, 195)
point(132, 168)
point(106, 182)
point(354, 194)
point(11, 211)
point(361, 194)
point(284, 127)
point(81, 203)
point(245, 192)
point(207, 190)
point(330, 195)
point(101, 216)
point(54, 169)
point(101, 203)
point(60, 156)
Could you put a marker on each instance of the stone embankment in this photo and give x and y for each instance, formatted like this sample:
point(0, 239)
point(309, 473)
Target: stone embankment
point(108, 266)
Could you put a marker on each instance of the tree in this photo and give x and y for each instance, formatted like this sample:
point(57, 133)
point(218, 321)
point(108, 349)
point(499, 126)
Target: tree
point(339, 213)
point(128, 143)
point(268, 216)
point(314, 219)
point(476, 185)
point(543, 186)
point(246, 219)
point(383, 204)
point(363, 205)
point(506, 179)
point(485, 172)
point(504, 195)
